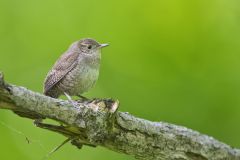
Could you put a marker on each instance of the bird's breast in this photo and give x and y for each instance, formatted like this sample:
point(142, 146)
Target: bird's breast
point(82, 78)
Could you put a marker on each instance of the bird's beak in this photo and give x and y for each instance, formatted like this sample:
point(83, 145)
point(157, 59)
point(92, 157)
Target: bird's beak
point(104, 45)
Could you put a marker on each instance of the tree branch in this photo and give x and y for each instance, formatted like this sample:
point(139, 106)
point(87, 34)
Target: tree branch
point(98, 123)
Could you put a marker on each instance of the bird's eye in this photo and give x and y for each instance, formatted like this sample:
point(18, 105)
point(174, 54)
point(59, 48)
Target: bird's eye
point(89, 47)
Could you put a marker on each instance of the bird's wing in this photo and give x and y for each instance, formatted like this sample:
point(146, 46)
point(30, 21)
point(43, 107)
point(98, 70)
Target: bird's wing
point(63, 65)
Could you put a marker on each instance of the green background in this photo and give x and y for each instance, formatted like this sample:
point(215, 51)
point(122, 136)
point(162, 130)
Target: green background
point(174, 61)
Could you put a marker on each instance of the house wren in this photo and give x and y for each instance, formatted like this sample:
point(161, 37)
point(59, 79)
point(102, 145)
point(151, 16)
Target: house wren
point(76, 71)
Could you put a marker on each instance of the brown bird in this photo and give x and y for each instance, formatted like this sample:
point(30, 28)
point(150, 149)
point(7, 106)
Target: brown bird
point(76, 71)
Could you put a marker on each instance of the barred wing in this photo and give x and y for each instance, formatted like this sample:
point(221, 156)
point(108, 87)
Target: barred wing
point(63, 65)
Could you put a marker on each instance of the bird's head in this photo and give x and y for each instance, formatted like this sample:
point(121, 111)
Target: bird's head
point(88, 46)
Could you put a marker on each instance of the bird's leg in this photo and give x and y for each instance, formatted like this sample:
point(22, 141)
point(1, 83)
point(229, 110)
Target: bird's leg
point(70, 99)
point(82, 97)
point(86, 100)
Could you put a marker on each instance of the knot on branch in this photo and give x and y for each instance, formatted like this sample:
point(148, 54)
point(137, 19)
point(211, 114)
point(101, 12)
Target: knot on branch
point(97, 119)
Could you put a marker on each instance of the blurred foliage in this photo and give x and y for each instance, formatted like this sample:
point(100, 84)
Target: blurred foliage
point(174, 61)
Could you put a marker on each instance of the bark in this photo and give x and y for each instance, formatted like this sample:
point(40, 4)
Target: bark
point(98, 123)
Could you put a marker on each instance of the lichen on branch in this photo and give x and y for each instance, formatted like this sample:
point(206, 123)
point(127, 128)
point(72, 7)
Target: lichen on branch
point(98, 123)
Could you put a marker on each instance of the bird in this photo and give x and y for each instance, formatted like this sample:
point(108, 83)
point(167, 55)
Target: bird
point(76, 71)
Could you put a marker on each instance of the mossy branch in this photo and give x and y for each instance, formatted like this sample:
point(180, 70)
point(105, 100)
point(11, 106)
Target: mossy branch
point(97, 123)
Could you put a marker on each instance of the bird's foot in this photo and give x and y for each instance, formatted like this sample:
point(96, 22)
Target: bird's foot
point(83, 99)
point(74, 103)
point(87, 101)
